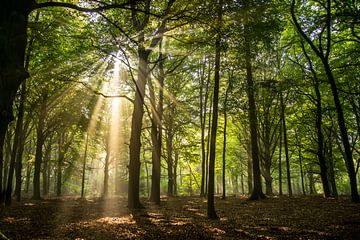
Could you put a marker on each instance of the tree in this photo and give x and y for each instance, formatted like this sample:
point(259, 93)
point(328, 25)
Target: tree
point(323, 53)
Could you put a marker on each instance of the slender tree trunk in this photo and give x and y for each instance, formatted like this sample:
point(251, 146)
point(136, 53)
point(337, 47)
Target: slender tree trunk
point(45, 171)
point(175, 171)
point(39, 150)
point(211, 213)
point(300, 163)
point(14, 150)
point(156, 132)
point(311, 181)
point(106, 173)
point(84, 167)
point(202, 126)
point(169, 143)
point(28, 175)
point(59, 176)
point(60, 160)
point(288, 175)
point(331, 171)
point(267, 152)
point(224, 142)
point(8, 152)
point(280, 158)
point(208, 148)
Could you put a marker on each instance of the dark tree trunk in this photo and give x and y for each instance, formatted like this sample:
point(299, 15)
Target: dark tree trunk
point(16, 144)
point(20, 150)
point(59, 163)
point(39, 150)
point(249, 167)
point(13, 40)
point(136, 125)
point(334, 191)
point(59, 176)
point(169, 145)
point(311, 181)
point(203, 103)
point(175, 171)
point(267, 157)
point(156, 132)
point(288, 175)
point(224, 143)
point(84, 167)
point(46, 169)
point(208, 148)
point(28, 175)
point(257, 192)
point(106, 173)
point(300, 163)
point(280, 166)
point(211, 213)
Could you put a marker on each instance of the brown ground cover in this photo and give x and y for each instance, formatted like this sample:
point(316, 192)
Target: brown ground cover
point(183, 218)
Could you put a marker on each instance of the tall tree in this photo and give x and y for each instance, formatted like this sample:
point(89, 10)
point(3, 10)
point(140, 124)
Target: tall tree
point(323, 51)
point(211, 213)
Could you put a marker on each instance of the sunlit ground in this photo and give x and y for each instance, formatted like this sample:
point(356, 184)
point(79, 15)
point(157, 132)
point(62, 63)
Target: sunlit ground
point(184, 218)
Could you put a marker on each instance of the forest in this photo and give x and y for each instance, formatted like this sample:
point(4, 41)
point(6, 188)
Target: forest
point(170, 119)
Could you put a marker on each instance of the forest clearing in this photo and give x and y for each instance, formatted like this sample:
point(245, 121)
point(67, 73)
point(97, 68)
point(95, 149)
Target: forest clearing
point(187, 119)
point(310, 217)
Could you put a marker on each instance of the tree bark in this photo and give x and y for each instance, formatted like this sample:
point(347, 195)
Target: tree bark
point(211, 213)
point(39, 149)
point(169, 146)
point(13, 40)
point(136, 125)
point(84, 167)
point(280, 165)
point(257, 192)
point(288, 174)
point(224, 142)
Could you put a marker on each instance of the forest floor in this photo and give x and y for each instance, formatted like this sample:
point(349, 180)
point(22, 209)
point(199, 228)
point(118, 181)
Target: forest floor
point(182, 218)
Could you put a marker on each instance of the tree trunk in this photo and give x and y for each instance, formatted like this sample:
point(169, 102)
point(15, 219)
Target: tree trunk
point(46, 169)
point(267, 149)
point(106, 173)
point(211, 213)
point(39, 150)
point(13, 40)
point(84, 167)
point(202, 126)
point(169, 145)
point(257, 188)
point(301, 165)
point(175, 171)
point(208, 148)
point(224, 143)
point(280, 167)
point(288, 175)
point(249, 167)
point(156, 132)
point(28, 175)
point(16, 144)
point(136, 125)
